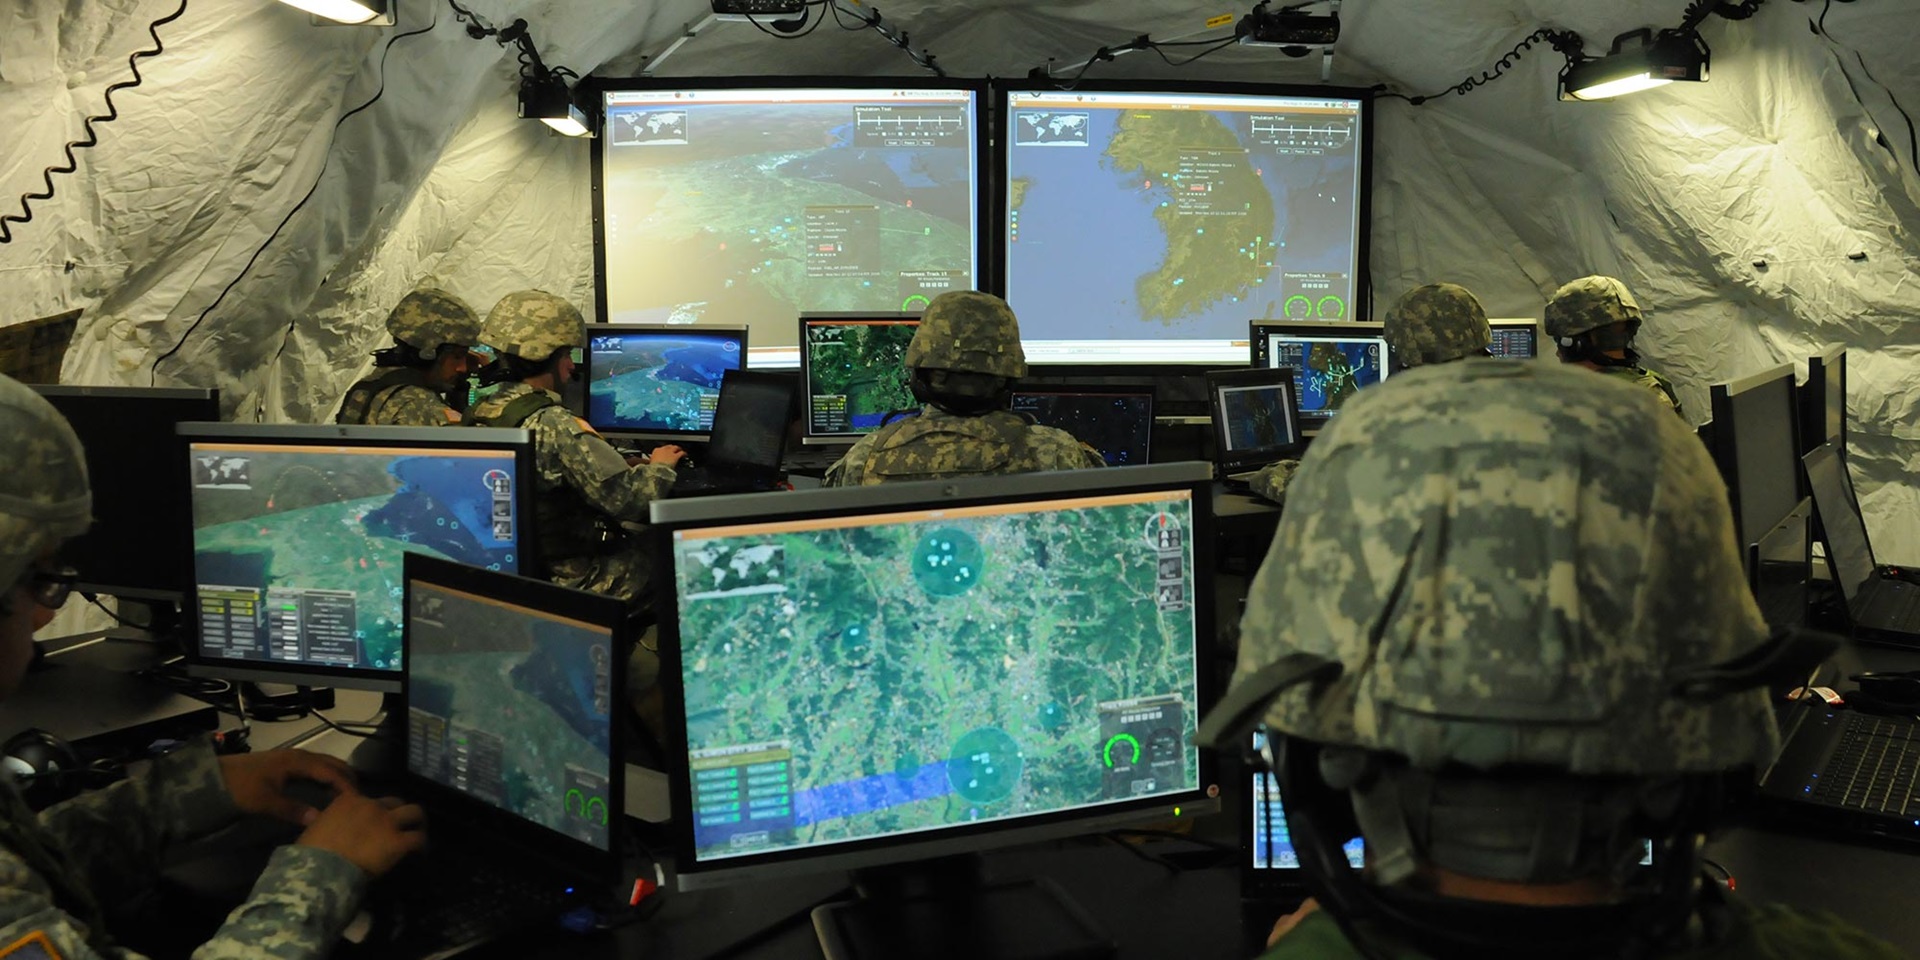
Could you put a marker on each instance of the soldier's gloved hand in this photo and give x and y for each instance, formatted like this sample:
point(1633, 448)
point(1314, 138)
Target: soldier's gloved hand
point(371, 834)
point(258, 781)
point(667, 455)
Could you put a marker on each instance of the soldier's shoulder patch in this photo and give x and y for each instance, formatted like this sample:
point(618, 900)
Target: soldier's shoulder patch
point(450, 415)
point(586, 427)
point(34, 946)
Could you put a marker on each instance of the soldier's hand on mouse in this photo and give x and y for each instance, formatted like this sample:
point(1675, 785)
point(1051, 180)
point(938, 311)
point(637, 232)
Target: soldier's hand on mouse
point(667, 455)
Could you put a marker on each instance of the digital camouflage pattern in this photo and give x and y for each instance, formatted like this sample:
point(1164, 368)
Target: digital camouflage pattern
point(1588, 304)
point(397, 398)
point(1437, 323)
point(1660, 387)
point(106, 847)
point(970, 332)
point(429, 317)
point(1503, 586)
point(532, 324)
point(584, 490)
point(1270, 481)
point(937, 445)
point(44, 497)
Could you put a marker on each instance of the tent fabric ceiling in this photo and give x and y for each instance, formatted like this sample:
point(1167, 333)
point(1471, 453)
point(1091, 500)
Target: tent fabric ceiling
point(1796, 153)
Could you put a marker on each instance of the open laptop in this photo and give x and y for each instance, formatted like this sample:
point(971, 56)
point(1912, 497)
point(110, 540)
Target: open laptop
point(749, 436)
point(1847, 771)
point(514, 699)
point(1882, 608)
point(1115, 419)
point(1256, 420)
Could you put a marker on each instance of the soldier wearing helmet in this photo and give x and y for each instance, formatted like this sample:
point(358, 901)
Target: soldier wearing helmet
point(1594, 320)
point(433, 330)
point(586, 488)
point(1435, 323)
point(1508, 657)
point(61, 871)
point(961, 366)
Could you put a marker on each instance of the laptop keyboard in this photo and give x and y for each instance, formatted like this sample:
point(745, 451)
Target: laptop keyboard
point(444, 907)
point(1894, 603)
point(1873, 767)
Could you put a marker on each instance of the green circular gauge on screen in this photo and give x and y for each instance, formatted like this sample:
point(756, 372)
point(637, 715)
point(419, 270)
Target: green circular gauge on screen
point(1125, 741)
point(1331, 308)
point(915, 302)
point(1297, 307)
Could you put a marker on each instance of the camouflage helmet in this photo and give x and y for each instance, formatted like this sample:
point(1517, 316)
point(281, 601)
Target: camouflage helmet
point(1589, 303)
point(532, 324)
point(429, 317)
point(1437, 323)
point(44, 496)
point(969, 332)
point(1502, 587)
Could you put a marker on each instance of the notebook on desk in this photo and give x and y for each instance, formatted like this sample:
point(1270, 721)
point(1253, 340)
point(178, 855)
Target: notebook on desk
point(1881, 607)
point(1256, 421)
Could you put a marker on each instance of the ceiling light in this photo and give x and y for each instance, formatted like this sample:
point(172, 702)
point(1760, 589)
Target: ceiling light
point(550, 102)
point(343, 11)
point(1658, 61)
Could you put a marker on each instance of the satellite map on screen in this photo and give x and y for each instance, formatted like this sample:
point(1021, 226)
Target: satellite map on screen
point(658, 381)
point(856, 375)
point(1328, 370)
point(861, 681)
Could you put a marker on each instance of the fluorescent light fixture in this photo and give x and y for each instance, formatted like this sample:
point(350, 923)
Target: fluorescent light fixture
point(342, 11)
point(550, 102)
point(1660, 60)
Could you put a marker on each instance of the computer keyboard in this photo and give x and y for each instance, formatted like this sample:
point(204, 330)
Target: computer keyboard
point(1874, 767)
point(442, 906)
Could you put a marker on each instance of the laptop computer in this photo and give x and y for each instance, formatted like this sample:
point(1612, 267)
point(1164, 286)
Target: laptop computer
point(1881, 607)
point(1847, 771)
point(1271, 879)
point(1256, 420)
point(1115, 419)
point(514, 698)
point(749, 436)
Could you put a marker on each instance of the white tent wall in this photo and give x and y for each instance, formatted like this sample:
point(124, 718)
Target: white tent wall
point(1795, 152)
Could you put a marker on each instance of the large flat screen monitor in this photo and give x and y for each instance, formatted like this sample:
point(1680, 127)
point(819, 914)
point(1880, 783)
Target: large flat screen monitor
point(140, 525)
point(1755, 445)
point(853, 368)
point(1149, 223)
point(659, 381)
point(883, 674)
point(1115, 419)
point(299, 534)
point(1330, 361)
point(753, 200)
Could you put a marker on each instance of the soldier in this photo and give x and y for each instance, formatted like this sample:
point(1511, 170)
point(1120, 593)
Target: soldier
point(64, 870)
point(961, 366)
point(1437, 323)
point(432, 333)
point(586, 490)
point(1594, 320)
point(1507, 657)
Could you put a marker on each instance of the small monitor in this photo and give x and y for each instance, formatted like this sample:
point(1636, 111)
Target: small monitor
point(514, 701)
point(1755, 445)
point(1115, 419)
point(853, 368)
point(756, 408)
point(1514, 339)
point(1269, 843)
point(1823, 400)
point(299, 534)
point(140, 527)
point(658, 381)
point(1256, 417)
point(1330, 362)
point(874, 675)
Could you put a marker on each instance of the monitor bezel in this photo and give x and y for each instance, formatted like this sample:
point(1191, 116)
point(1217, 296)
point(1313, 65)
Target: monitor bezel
point(807, 434)
point(596, 88)
point(615, 329)
point(543, 596)
point(1725, 449)
point(1231, 461)
point(517, 442)
point(1521, 323)
point(670, 516)
point(1002, 144)
point(211, 396)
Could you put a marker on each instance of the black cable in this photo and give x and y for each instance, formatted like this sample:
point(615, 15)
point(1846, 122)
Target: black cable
point(1153, 858)
point(324, 163)
point(1217, 45)
point(86, 123)
point(123, 621)
point(1564, 41)
point(922, 58)
point(371, 731)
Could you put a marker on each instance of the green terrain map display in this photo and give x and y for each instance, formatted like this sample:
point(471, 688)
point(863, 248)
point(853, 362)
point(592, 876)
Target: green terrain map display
point(865, 363)
point(871, 680)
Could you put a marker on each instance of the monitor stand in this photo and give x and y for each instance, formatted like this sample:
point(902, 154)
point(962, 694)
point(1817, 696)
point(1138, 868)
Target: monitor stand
point(164, 623)
point(935, 909)
point(381, 757)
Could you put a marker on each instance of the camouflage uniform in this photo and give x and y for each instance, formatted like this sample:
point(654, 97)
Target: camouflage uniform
point(585, 489)
point(965, 332)
point(1589, 303)
point(62, 869)
point(423, 321)
point(1435, 323)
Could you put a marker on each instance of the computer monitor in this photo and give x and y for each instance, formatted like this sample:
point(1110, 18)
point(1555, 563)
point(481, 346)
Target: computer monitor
point(750, 200)
point(1115, 419)
point(658, 381)
point(1269, 844)
point(1755, 446)
point(1823, 399)
point(853, 368)
point(299, 534)
point(1331, 361)
point(756, 408)
point(863, 676)
point(514, 703)
point(1256, 417)
point(1779, 568)
point(1148, 222)
point(1515, 339)
point(140, 526)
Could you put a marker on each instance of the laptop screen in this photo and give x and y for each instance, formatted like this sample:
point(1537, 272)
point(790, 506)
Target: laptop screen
point(751, 424)
point(512, 706)
point(1255, 418)
point(1272, 846)
point(1119, 425)
point(1849, 554)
